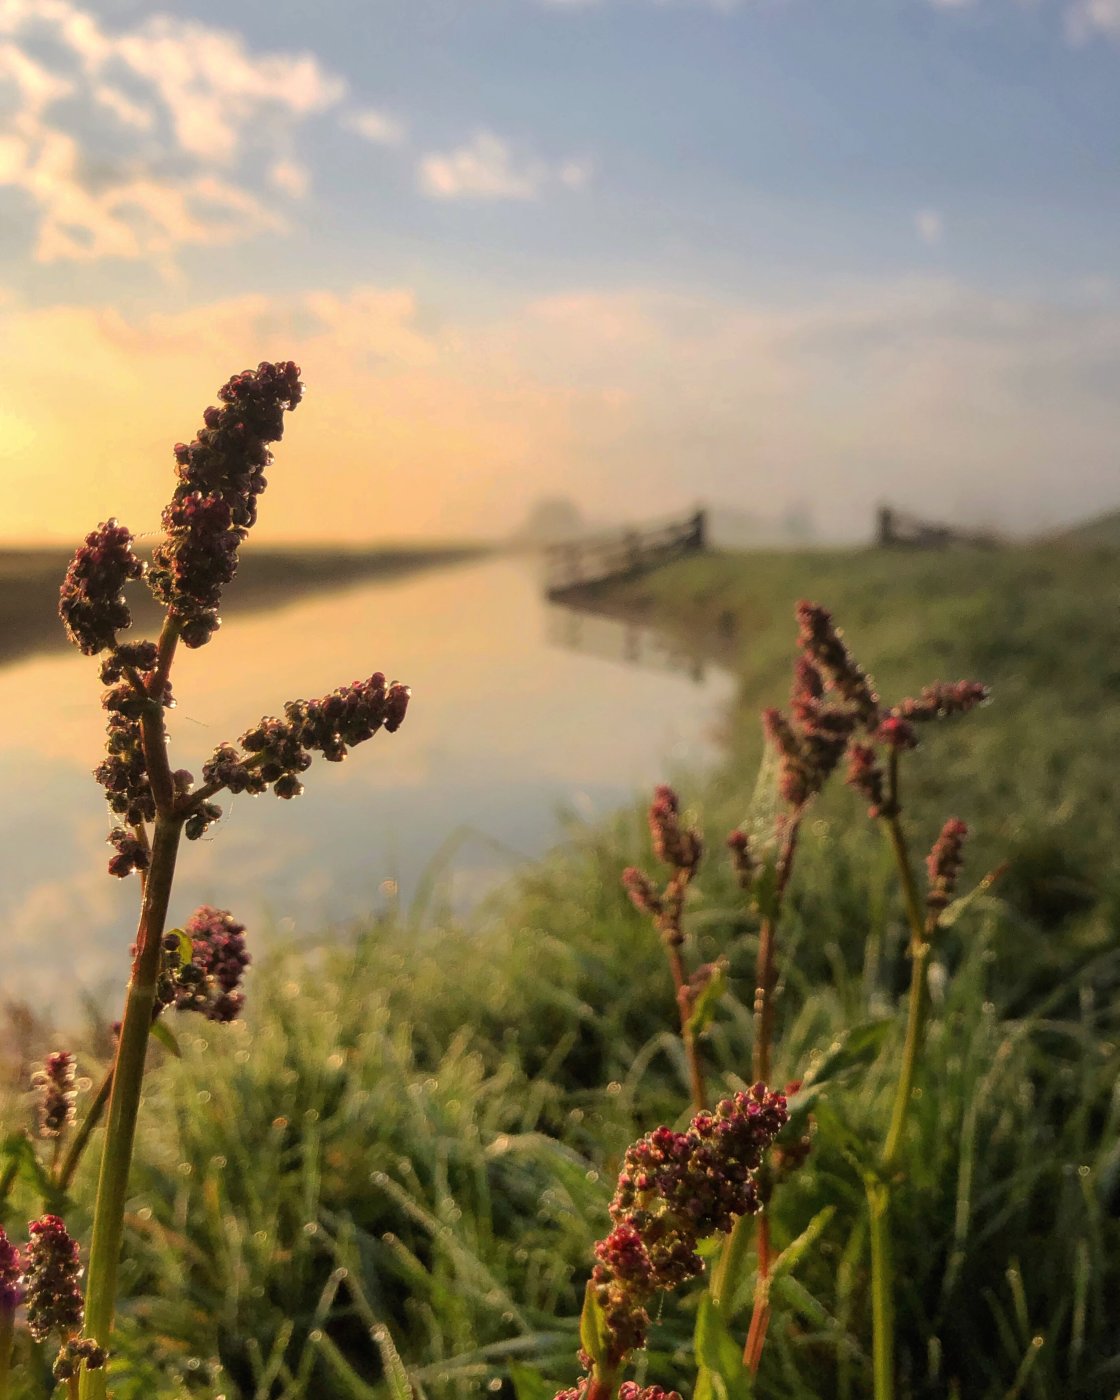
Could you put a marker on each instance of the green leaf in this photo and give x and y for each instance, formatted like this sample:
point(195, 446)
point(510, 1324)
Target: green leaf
point(162, 1032)
point(787, 1261)
point(18, 1152)
point(862, 1155)
point(704, 1010)
point(723, 1376)
point(593, 1326)
point(851, 1049)
point(528, 1385)
point(186, 947)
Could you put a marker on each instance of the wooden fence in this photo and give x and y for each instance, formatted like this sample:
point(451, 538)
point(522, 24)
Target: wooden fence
point(624, 555)
point(895, 529)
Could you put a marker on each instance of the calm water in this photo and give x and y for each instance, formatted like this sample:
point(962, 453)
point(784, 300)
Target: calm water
point(518, 711)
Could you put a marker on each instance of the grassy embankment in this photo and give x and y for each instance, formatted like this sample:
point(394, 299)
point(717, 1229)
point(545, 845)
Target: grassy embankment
point(408, 1146)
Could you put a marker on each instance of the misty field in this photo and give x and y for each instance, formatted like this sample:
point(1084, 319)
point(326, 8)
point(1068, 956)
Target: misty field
point(388, 1177)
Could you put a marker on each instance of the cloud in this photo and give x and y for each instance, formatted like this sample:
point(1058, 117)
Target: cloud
point(1087, 18)
point(290, 177)
point(487, 168)
point(374, 126)
point(926, 392)
point(929, 225)
point(135, 143)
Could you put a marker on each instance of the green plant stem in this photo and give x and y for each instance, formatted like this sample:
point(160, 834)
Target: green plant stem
point(882, 1291)
point(85, 1129)
point(766, 976)
point(691, 1051)
point(124, 1100)
point(879, 1187)
point(7, 1320)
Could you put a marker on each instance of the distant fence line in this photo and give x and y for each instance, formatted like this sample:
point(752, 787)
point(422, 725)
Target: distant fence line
point(895, 529)
point(624, 555)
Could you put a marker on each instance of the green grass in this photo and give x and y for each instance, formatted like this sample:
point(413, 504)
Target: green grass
point(402, 1157)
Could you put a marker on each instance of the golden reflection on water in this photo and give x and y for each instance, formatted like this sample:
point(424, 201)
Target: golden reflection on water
point(501, 728)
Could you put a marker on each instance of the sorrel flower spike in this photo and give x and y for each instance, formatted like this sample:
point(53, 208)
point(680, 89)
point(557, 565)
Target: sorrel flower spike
point(221, 474)
point(675, 1189)
point(91, 600)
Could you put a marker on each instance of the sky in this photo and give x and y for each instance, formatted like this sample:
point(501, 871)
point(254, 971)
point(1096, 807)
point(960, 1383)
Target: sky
point(768, 254)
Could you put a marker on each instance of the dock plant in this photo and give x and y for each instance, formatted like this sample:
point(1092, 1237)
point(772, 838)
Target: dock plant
point(219, 477)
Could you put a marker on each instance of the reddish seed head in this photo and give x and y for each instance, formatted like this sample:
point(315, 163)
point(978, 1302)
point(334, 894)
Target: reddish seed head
point(50, 1280)
point(943, 864)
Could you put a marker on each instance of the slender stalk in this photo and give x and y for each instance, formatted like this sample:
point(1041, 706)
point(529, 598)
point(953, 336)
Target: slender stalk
point(691, 1051)
point(124, 1100)
point(879, 1189)
point(7, 1320)
point(882, 1292)
point(766, 977)
point(85, 1129)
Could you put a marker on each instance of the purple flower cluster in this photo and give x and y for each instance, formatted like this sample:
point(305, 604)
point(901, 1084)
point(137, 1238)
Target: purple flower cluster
point(51, 1274)
point(276, 751)
point(676, 1189)
point(210, 983)
point(123, 772)
point(221, 475)
point(943, 864)
point(55, 1083)
point(11, 1275)
point(833, 699)
point(628, 1390)
point(681, 849)
point(91, 601)
point(676, 846)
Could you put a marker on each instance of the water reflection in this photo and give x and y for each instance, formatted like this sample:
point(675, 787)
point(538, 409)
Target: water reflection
point(503, 731)
point(633, 638)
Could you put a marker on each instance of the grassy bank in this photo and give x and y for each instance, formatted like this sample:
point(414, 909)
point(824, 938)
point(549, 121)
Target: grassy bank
point(404, 1153)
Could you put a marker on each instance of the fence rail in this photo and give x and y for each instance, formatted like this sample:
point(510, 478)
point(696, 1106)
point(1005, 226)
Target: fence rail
point(895, 529)
point(624, 555)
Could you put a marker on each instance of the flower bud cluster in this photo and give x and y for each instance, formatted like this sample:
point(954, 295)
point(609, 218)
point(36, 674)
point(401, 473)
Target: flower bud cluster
point(943, 864)
point(51, 1274)
point(55, 1083)
point(676, 1189)
point(78, 1352)
point(11, 1275)
point(744, 862)
point(942, 699)
point(210, 983)
point(823, 645)
point(674, 845)
point(813, 738)
point(221, 475)
point(123, 772)
point(681, 849)
point(91, 601)
point(628, 1390)
point(865, 774)
point(131, 854)
point(278, 750)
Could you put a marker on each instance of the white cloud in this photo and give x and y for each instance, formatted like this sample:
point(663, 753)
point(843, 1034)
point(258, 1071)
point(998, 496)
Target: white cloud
point(1090, 17)
point(487, 168)
point(291, 178)
point(377, 127)
point(929, 225)
point(179, 97)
